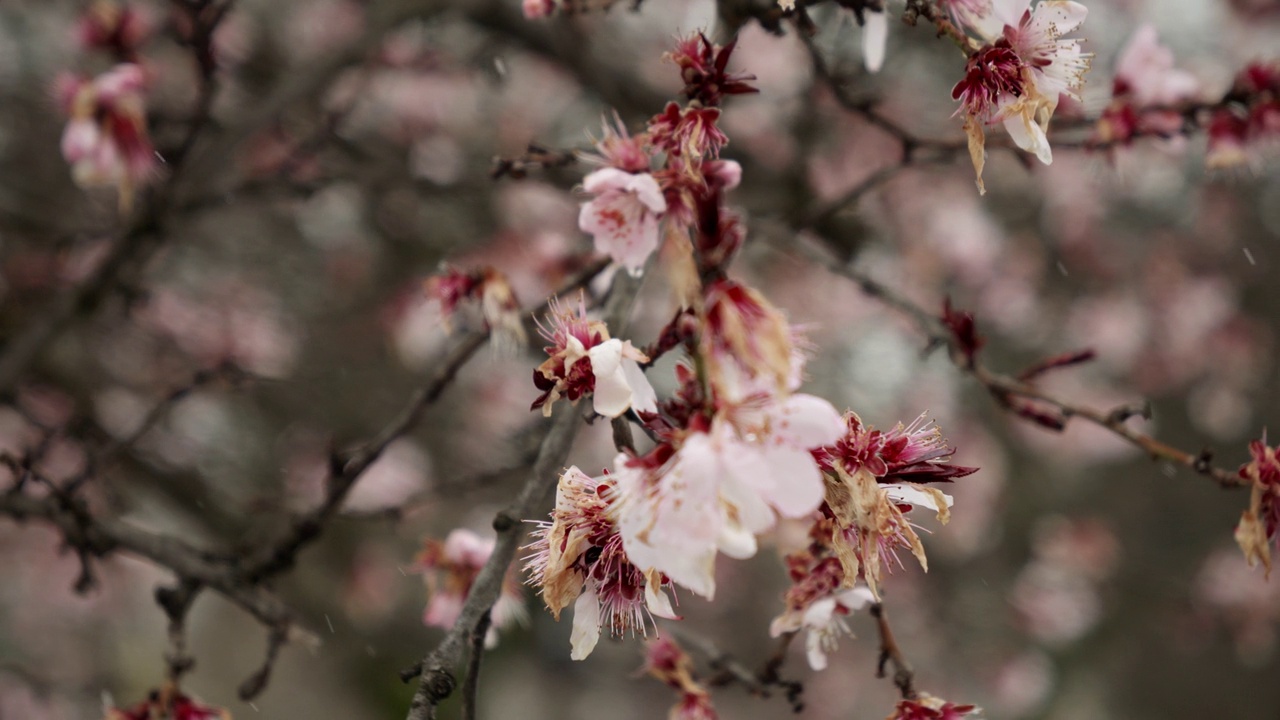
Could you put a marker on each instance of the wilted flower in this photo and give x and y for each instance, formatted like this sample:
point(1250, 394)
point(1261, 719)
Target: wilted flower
point(1259, 526)
point(704, 69)
point(1254, 115)
point(927, 707)
point(746, 343)
point(583, 359)
point(820, 597)
point(1017, 77)
point(666, 661)
point(106, 139)
point(578, 558)
point(687, 134)
point(450, 568)
point(722, 487)
point(167, 704)
point(872, 483)
point(624, 216)
point(498, 304)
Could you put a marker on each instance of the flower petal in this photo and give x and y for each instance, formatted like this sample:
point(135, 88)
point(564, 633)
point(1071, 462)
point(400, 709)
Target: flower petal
point(586, 624)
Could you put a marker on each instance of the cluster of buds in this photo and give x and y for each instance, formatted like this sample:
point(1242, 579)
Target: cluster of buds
point(489, 287)
point(1146, 92)
point(450, 568)
point(167, 703)
point(1251, 114)
point(1259, 526)
point(668, 662)
point(106, 140)
point(820, 597)
point(1017, 75)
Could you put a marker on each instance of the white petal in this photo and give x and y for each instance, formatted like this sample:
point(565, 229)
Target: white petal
point(806, 421)
point(795, 484)
point(736, 541)
point(648, 191)
point(612, 394)
point(604, 179)
point(915, 497)
point(643, 398)
point(813, 647)
point(656, 600)
point(875, 35)
point(586, 624)
point(856, 598)
point(1056, 18)
point(1028, 135)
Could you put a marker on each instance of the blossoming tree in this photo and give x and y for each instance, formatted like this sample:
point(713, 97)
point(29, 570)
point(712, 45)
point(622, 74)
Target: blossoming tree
point(254, 254)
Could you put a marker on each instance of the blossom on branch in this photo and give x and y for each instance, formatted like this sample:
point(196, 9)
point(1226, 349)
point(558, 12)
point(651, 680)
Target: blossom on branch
point(1252, 115)
point(450, 569)
point(498, 303)
point(1259, 526)
point(106, 140)
point(117, 27)
point(584, 359)
point(1017, 77)
point(704, 69)
point(872, 482)
point(723, 485)
point(820, 597)
point(168, 703)
point(1146, 90)
point(578, 558)
point(624, 215)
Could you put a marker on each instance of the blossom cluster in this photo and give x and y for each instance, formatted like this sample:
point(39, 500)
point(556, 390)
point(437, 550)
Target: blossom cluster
point(167, 704)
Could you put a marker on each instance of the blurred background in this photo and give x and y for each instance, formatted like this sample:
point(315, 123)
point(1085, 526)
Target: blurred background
point(346, 157)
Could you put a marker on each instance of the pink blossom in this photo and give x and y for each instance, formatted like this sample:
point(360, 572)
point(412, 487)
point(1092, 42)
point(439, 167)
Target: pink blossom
point(723, 487)
point(618, 149)
point(535, 9)
point(927, 707)
point(1145, 72)
point(1259, 526)
point(624, 216)
point(114, 26)
point(450, 568)
point(106, 139)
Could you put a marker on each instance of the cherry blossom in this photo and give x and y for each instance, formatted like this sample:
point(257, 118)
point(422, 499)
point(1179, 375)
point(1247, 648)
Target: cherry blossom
point(1259, 526)
point(747, 344)
point(450, 568)
point(167, 704)
point(106, 140)
point(722, 487)
point(498, 303)
point(819, 599)
point(625, 215)
point(584, 359)
point(1146, 90)
point(534, 9)
point(1017, 77)
point(115, 26)
point(578, 558)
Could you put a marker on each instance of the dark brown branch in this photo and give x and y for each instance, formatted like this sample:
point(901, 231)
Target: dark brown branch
point(436, 669)
point(472, 683)
point(891, 654)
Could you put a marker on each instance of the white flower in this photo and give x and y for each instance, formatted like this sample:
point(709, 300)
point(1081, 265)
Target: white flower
point(723, 488)
point(1018, 76)
point(624, 216)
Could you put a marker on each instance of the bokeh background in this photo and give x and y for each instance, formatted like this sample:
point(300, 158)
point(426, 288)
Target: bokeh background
point(1077, 579)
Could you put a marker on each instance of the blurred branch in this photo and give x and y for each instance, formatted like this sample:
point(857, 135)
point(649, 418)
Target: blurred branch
point(729, 669)
point(890, 653)
point(436, 669)
point(1008, 390)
